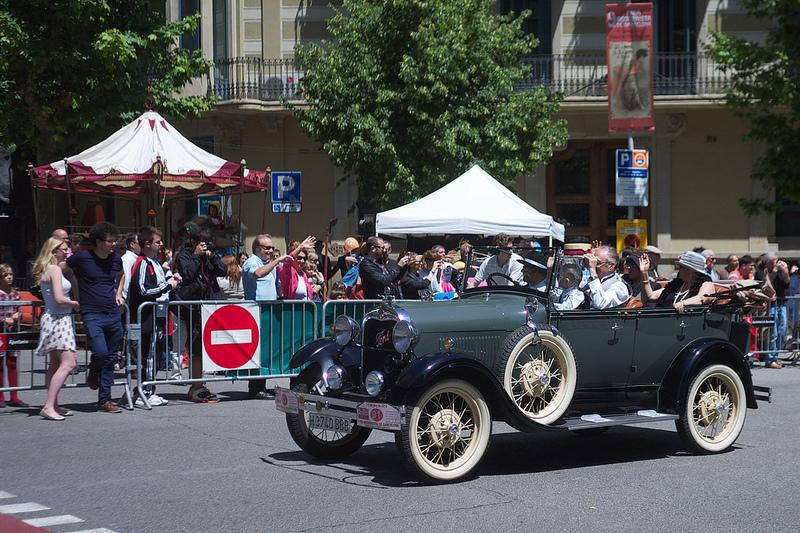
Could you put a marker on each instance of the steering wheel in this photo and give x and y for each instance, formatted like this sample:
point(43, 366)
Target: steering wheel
point(490, 281)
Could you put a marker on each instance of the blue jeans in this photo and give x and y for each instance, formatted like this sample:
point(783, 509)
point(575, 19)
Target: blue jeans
point(104, 331)
point(778, 332)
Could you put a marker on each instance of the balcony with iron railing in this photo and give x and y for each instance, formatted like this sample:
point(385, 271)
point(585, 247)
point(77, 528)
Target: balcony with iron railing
point(576, 76)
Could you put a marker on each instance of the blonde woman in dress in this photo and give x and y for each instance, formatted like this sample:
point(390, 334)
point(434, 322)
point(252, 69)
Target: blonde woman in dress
point(57, 338)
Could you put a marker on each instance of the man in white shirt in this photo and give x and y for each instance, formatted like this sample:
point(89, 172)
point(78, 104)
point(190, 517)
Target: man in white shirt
point(605, 287)
point(260, 283)
point(506, 262)
point(128, 259)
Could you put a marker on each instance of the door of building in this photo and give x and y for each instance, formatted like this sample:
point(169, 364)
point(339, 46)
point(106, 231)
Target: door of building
point(581, 190)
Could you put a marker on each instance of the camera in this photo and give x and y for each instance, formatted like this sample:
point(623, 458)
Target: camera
point(210, 246)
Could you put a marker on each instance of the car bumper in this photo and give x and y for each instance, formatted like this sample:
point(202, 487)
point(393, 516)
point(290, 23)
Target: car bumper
point(375, 415)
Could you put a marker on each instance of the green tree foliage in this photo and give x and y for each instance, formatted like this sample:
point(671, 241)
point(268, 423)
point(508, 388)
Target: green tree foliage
point(765, 92)
point(72, 71)
point(411, 93)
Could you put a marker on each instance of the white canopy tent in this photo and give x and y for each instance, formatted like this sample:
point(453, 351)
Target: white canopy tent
point(473, 203)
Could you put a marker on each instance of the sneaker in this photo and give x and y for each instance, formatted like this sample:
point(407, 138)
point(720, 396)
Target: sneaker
point(155, 400)
point(201, 395)
point(139, 402)
point(108, 407)
point(177, 376)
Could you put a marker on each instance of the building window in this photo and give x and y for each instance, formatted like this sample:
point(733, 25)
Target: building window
point(787, 222)
point(538, 23)
point(188, 8)
point(220, 29)
point(676, 29)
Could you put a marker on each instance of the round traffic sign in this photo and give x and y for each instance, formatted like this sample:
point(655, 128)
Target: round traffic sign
point(631, 241)
point(230, 336)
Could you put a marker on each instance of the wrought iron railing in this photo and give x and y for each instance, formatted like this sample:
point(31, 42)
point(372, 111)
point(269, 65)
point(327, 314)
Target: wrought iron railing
point(574, 75)
point(587, 75)
point(252, 78)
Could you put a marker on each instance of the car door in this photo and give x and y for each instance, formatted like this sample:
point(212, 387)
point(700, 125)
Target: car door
point(663, 333)
point(603, 343)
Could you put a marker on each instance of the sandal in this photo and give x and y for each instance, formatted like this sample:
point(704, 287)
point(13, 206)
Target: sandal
point(201, 395)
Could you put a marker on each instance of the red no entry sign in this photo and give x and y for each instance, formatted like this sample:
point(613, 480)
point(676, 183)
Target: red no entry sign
point(231, 338)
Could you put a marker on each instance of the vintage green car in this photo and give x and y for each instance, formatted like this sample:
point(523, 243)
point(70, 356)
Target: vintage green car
point(438, 373)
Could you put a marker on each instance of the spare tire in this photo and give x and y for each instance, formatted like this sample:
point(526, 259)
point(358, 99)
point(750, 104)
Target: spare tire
point(538, 371)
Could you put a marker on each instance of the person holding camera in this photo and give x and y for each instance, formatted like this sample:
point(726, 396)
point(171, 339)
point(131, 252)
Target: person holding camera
point(198, 267)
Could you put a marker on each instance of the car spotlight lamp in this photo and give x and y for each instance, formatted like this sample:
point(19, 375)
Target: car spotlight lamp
point(374, 383)
point(334, 377)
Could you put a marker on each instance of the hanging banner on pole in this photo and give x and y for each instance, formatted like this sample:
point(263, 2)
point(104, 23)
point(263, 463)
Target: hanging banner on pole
point(629, 49)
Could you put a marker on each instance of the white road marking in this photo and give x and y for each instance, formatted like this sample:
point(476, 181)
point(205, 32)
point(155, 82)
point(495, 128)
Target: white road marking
point(49, 521)
point(22, 508)
point(45, 521)
point(232, 336)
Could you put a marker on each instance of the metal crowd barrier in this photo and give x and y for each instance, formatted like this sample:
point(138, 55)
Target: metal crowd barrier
point(32, 370)
point(764, 324)
point(284, 327)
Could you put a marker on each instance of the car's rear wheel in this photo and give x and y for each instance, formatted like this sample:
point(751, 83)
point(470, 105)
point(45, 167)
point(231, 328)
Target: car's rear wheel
point(447, 432)
point(322, 443)
point(538, 371)
point(712, 415)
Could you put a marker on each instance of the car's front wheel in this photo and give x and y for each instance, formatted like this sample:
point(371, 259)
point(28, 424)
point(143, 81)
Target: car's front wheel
point(447, 432)
point(538, 372)
point(712, 415)
point(322, 443)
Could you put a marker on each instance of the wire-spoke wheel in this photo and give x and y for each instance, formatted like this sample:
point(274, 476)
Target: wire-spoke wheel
point(538, 371)
point(447, 431)
point(323, 443)
point(712, 416)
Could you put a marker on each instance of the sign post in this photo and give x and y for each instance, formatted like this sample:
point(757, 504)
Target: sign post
point(231, 336)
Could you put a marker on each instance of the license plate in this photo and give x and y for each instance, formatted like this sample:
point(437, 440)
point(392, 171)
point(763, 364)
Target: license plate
point(330, 423)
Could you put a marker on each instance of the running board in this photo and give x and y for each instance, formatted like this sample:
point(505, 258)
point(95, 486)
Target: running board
point(596, 420)
point(763, 394)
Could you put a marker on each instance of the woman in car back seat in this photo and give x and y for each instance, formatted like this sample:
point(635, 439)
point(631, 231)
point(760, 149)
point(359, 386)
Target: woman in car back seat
point(691, 287)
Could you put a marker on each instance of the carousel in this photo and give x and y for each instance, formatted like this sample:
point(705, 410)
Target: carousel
point(149, 163)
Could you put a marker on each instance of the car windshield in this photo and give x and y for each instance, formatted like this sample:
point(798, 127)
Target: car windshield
point(518, 266)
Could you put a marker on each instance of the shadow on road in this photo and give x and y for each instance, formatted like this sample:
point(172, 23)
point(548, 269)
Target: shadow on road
point(509, 453)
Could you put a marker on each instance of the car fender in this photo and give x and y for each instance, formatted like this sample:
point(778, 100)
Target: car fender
point(692, 358)
point(326, 352)
point(436, 366)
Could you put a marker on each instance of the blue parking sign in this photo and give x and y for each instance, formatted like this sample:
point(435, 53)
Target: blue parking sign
point(286, 187)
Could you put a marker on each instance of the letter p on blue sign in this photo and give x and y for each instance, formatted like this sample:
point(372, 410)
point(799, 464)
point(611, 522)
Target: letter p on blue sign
point(286, 187)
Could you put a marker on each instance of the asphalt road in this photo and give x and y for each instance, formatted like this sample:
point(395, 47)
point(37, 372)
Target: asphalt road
point(232, 467)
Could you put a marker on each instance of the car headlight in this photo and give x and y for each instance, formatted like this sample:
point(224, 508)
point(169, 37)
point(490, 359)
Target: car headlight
point(345, 329)
point(333, 377)
point(403, 336)
point(374, 383)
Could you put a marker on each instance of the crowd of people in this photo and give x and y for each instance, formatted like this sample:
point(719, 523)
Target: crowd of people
point(96, 282)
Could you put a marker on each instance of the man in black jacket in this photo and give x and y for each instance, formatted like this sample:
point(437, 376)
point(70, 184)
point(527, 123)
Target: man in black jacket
point(199, 267)
point(375, 275)
point(149, 284)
